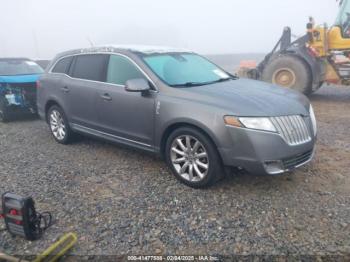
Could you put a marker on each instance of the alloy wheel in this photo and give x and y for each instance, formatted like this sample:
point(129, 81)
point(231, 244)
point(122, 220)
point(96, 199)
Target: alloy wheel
point(57, 125)
point(190, 158)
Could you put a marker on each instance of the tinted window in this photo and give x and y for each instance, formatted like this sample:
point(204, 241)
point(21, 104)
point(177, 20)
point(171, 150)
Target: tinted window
point(121, 69)
point(90, 67)
point(62, 65)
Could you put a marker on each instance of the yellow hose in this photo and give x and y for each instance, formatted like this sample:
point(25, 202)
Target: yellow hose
point(58, 249)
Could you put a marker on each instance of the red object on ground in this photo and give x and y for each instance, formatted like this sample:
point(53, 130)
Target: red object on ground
point(248, 64)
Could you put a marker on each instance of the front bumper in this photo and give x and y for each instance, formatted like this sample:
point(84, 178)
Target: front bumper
point(261, 152)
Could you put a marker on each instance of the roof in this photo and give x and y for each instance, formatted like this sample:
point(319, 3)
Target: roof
point(132, 48)
point(149, 48)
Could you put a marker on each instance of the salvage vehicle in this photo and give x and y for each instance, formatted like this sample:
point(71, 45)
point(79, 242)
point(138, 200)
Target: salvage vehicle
point(321, 56)
point(179, 105)
point(18, 77)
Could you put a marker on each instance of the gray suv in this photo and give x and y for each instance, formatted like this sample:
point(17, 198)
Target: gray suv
point(179, 105)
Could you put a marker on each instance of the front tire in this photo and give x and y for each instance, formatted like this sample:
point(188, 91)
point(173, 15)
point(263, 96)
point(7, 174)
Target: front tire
point(290, 72)
point(59, 125)
point(193, 158)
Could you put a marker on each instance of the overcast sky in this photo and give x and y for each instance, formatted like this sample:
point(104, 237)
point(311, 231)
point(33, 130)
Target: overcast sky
point(42, 28)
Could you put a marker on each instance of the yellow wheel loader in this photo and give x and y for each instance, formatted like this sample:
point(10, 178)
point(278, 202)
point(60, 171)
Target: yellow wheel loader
point(320, 56)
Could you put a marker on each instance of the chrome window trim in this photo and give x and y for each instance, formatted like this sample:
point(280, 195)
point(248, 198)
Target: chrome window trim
point(103, 53)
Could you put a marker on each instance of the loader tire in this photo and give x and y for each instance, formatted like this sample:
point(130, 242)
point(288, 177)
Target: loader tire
point(289, 71)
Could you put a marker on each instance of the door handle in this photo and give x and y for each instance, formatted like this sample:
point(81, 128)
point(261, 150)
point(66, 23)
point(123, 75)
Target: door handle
point(65, 89)
point(106, 97)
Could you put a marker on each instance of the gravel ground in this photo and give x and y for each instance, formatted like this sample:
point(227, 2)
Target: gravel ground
point(121, 201)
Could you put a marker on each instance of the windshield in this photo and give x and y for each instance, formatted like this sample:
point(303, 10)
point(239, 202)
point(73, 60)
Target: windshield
point(184, 69)
point(19, 67)
point(343, 17)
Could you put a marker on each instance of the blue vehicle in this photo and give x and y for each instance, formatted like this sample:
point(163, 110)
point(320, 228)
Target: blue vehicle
point(18, 77)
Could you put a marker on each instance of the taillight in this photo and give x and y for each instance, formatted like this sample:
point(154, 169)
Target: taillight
point(13, 212)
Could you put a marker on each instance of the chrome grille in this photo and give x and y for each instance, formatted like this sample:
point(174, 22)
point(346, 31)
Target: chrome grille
point(293, 129)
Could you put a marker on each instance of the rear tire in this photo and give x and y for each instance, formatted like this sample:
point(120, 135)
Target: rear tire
point(290, 72)
point(197, 165)
point(4, 115)
point(59, 125)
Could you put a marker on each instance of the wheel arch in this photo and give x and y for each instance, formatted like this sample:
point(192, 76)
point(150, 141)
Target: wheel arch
point(173, 126)
point(51, 102)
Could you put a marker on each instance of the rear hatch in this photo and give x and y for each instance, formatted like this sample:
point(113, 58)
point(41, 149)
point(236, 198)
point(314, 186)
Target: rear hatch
point(19, 92)
point(21, 95)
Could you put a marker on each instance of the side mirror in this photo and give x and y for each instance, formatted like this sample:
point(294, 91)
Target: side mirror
point(137, 85)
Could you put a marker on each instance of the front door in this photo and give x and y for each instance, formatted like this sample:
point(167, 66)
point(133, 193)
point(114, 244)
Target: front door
point(126, 115)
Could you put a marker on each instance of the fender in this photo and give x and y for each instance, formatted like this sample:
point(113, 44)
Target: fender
point(160, 137)
point(50, 100)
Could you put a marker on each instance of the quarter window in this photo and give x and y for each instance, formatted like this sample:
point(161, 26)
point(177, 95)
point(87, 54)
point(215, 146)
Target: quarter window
point(121, 69)
point(62, 65)
point(90, 67)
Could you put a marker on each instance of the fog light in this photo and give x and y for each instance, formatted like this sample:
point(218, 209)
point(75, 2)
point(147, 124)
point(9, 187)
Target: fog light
point(274, 167)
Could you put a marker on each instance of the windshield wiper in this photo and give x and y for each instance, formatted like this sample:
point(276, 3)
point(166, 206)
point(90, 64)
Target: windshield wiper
point(220, 80)
point(189, 84)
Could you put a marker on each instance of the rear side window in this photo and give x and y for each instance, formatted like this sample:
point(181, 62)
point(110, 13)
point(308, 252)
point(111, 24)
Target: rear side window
point(62, 66)
point(90, 67)
point(121, 69)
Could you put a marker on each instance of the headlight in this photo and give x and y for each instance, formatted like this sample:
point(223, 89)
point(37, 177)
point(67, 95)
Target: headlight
point(257, 123)
point(313, 120)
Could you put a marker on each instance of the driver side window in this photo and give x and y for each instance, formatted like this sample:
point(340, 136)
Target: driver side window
point(121, 69)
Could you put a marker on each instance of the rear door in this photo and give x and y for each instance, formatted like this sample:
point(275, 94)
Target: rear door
point(126, 115)
point(51, 84)
point(87, 73)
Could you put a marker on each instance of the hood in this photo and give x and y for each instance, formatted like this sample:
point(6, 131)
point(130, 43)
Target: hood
point(244, 97)
point(19, 78)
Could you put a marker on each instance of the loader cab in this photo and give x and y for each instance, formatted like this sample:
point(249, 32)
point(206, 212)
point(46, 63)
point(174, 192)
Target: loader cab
point(339, 33)
point(343, 18)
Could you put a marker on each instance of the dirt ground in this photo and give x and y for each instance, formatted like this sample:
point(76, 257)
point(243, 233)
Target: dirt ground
point(120, 201)
point(332, 163)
